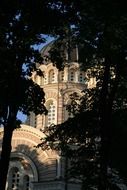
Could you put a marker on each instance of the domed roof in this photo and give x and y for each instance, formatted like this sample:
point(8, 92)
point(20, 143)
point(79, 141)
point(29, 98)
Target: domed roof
point(73, 57)
point(45, 50)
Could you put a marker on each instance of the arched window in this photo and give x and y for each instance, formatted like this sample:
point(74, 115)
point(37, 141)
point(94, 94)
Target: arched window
point(72, 75)
point(51, 76)
point(81, 77)
point(58, 167)
point(26, 182)
point(15, 176)
point(61, 76)
point(51, 117)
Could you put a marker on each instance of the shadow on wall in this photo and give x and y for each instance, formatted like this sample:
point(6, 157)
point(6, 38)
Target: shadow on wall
point(28, 165)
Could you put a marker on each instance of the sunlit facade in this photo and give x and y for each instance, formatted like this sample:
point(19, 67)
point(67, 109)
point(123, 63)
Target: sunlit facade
point(31, 168)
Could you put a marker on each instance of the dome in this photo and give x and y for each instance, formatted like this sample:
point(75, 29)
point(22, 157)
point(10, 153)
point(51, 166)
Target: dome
point(45, 50)
point(72, 56)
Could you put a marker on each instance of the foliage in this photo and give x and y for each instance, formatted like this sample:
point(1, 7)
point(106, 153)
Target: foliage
point(100, 31)
point(23, 25)
point(99, 27)
point(77, 140)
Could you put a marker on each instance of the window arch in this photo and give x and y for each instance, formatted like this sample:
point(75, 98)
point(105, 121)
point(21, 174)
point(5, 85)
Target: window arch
point(81, 77)
point(51, 116)
point(72, 75)
point(15, 177)
point(51, 76)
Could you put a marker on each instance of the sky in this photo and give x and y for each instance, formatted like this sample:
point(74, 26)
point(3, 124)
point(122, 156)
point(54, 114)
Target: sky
point(20, 115)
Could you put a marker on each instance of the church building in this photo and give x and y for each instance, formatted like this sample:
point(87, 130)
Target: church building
point(32, 168)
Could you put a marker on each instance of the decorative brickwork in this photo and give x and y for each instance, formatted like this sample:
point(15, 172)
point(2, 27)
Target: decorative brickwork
point(45, 169)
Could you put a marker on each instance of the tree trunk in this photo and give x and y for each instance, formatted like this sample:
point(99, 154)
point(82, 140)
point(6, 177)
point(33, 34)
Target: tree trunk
point(6, 149)
point(104, 151)
point(106, 123)
point(66, 173)
point(5, 156)
point(104, 127)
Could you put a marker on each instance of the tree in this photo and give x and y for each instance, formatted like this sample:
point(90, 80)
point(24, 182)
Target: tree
point(109, 43)
point(100, 29)
point(23, 24)
point(98, 26)
point(76, 139)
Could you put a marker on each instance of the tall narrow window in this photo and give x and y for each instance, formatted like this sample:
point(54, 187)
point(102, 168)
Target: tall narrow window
point(81, 77)
point(61, 76)
point(15, 179)
point(58, 167)
point(72, 75)
point(51, 117)
point(26, 182)
point(51, 76)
